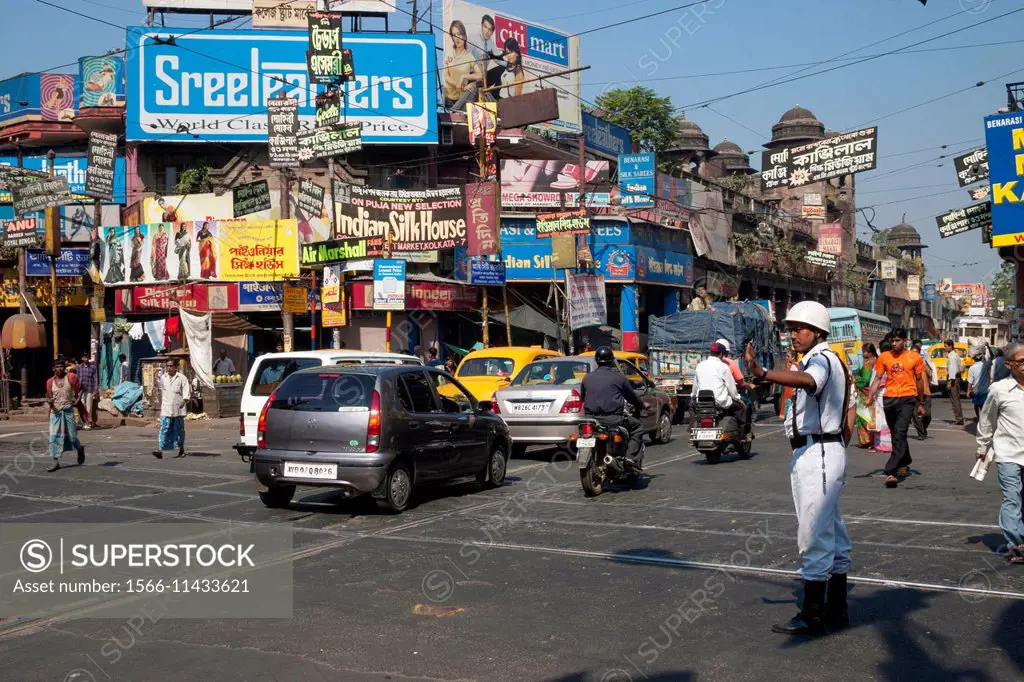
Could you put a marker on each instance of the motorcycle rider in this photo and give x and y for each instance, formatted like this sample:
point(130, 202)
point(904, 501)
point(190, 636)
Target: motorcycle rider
point(818, 428)
point(714, 374)
point(605, 394)
point(741, 384)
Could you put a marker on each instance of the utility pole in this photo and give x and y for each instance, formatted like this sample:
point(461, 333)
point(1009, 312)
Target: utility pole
point(22, 291)
point(336, 332)
point(53, 251)
point(482, 163)
point(94, 334)
point(412, 28)
point(288, 319)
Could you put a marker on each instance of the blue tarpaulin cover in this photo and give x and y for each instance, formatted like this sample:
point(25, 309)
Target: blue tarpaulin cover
point(696, 330)
point(128, 397)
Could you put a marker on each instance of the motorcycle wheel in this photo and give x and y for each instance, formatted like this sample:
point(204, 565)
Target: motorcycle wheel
point(713, 456)
point(743, 449)
point(592, 479)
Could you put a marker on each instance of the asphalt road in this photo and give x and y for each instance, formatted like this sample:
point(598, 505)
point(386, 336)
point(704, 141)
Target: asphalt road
point(679, 580)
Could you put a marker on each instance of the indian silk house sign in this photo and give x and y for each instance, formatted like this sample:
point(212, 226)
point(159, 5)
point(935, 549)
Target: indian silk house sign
point(217, 83)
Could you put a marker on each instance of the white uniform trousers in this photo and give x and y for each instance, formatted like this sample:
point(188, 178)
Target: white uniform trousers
point(822, 539)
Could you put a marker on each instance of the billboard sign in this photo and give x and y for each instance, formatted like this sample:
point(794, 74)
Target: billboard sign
point(605, 137)
point(1004, 138)
point(416, 220)
point(19, 99)
point(538, 183)
point(74, 168)
point(101, 81)
point(216, 84)
point(964, 219)
point(825, 159)
point(541, 50)
point(388, 284)
point(830, 238)
point(637, 180)
point(972, 167)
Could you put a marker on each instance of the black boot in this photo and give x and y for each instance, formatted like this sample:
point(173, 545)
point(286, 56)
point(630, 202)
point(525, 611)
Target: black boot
point(810, 621)
point(836, 614)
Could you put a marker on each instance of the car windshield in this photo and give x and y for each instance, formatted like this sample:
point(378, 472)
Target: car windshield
point(552, 373)
point(273, 371)
point(487, 367)
point(324, 392)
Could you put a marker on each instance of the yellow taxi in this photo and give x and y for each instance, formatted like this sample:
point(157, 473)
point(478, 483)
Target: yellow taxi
point(484, 371)
point(938, 356)
point(638, 359)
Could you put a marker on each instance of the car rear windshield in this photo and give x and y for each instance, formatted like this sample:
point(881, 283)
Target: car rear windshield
point(324, 392)
point(552, 373)
point(273, 371)
point(487, 367)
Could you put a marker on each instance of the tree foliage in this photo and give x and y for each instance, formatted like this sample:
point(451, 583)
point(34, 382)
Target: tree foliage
point(649, 118)
point(194, 179)
point(1002, 283)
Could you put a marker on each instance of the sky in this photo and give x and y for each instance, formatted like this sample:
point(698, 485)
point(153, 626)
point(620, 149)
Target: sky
point(674, 52)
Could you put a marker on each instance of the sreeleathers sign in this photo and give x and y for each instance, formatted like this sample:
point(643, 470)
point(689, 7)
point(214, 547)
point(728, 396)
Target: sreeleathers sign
point(215, 84)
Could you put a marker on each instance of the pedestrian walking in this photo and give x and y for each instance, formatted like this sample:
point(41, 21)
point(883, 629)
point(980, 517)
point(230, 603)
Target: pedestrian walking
point(89, 386)
point(123, 370)
point(174, 396)
point(954, 368)
point(923, 421)
point(904, 395)
point(1001, 438)
point(61, 396)
point(979, 378)
point(819, 431)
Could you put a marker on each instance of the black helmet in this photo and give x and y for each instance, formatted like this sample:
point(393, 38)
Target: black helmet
point(604, 356)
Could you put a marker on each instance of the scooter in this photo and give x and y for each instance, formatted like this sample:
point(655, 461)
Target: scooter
point(601, 454)
point(713, 433)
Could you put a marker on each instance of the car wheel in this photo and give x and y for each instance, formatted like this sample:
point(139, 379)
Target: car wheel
point(663, 433)
point(278, 496)
point(493, 475)
point(397, 489)
point(518, 451)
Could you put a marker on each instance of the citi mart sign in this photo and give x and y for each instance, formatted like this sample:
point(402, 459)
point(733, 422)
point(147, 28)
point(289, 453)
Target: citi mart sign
point(215, 84)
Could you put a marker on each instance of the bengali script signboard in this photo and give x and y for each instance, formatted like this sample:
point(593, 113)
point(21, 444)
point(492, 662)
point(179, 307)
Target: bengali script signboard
point(324, 143)
point(564, 222)
point(482, 218)
point(99, 173)
point(283, 131)
point(825, 159)
point(964, 219)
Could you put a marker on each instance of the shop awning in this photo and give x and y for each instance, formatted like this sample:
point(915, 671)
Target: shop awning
point(231, 322)
point(525, 317)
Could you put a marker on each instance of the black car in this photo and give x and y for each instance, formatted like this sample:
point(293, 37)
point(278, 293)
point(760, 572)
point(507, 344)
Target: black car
point(375, 430)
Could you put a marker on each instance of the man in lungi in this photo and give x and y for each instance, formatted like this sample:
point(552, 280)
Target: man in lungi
point(174, 396)
point(62, 396)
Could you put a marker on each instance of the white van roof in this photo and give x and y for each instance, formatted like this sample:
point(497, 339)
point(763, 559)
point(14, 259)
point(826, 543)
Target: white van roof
point(341, 354)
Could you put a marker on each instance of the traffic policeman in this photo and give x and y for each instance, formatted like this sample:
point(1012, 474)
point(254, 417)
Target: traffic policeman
point(818, 430)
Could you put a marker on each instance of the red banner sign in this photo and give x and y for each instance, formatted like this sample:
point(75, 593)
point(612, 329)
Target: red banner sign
point(830, 238)
point(423, 296)
point(482, 219)
point(167, 297)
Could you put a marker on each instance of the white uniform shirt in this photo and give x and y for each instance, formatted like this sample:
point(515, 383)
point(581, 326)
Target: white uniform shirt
point(714, 375)
point(827, 398)
point(954, 365)
point(1000, 424)
point(174, 394)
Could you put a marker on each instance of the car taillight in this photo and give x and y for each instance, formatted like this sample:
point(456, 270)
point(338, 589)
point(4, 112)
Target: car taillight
point(587, 429)
point(373, 424)
point(572, 404)
point(707, 423)
point(261, 425)
point(241, 425)
point(494, 406)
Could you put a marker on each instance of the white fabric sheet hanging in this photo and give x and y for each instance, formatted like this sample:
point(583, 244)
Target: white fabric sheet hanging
point(198, 335)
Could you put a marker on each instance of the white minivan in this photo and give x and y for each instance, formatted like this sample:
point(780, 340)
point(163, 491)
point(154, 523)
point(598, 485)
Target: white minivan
point(270, 369)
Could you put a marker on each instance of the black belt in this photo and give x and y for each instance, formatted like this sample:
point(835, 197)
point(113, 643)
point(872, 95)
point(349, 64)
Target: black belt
point(799, 441)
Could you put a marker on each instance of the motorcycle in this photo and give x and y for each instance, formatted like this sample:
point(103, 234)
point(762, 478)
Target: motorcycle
point(713, 432)
point(601, 454)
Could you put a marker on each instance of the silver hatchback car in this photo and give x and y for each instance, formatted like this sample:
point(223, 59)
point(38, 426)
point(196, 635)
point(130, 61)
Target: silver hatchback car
point(544, 405)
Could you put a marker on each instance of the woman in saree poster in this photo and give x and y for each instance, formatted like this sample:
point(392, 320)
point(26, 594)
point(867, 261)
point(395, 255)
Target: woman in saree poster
point(158, 252)
point(183, 251)
point(138, 272)
point(113, 248)
point(207, 252)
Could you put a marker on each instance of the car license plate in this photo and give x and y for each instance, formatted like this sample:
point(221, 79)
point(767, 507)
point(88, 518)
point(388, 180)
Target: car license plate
point(585, 443)
point(706, 434)
point(529, 407)
point(301, 470)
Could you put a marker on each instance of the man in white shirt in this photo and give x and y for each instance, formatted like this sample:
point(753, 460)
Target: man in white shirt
point(174, 396)
point(999, 430)
point(713, 374)
point(954, 368)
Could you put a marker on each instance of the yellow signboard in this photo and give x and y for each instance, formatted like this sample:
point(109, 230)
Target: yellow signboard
point(258, 250)
point(295, 299)
point(67, 294)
